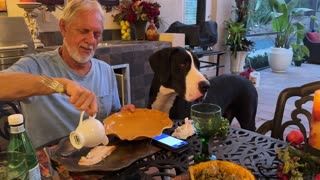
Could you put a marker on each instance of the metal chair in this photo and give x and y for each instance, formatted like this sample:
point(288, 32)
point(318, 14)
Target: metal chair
point(200, 38)
point(278, 125)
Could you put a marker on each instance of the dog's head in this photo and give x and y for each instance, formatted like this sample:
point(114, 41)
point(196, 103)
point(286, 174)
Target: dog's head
point(178, 69)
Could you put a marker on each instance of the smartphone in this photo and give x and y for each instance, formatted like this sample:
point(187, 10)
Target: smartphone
point(171, 143)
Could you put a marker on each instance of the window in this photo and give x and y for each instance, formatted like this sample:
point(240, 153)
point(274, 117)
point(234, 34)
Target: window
point(261, 32)
point(190, 12)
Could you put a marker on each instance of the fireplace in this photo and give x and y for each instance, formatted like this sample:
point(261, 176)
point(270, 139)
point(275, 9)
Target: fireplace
point(122, 72)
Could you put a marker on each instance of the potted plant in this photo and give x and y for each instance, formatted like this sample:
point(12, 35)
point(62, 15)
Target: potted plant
point(236, 40)
point(282, 15)
point(300, 51)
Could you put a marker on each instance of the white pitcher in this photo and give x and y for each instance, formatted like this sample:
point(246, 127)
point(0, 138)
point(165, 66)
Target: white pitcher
point(89, 133)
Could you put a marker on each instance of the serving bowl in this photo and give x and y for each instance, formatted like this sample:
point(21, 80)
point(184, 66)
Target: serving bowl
point(219, 169)
point(142, 123)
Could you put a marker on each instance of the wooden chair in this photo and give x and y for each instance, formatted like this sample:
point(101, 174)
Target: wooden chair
point(278, 125)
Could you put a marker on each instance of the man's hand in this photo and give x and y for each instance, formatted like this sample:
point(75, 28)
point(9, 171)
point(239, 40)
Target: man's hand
point(82, 98)
point(128, 107)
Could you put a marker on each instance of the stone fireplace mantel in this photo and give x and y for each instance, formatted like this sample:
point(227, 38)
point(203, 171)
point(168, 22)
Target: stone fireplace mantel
point(136, 54)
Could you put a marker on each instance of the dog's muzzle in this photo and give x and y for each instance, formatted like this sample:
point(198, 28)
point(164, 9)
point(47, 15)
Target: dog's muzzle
point(203, 86)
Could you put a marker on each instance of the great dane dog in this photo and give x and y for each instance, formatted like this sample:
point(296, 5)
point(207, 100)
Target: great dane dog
point(177, 83)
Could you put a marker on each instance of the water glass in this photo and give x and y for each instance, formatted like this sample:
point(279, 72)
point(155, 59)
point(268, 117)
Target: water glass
point(206, 117)
point(13, 165)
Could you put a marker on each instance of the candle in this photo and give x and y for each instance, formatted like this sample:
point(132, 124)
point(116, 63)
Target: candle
point(27, 0)
point(314, 138)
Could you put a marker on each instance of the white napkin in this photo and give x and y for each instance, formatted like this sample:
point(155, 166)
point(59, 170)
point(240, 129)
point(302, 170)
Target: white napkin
point(184, 131)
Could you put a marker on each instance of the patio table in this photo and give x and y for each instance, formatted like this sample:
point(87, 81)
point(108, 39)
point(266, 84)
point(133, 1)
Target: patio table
point(254, 151)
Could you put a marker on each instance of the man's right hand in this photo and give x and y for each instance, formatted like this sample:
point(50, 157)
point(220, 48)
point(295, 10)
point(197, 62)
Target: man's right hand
point(82, 98)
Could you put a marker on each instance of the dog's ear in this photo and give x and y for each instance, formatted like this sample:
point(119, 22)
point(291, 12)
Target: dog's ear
point(195, 60)
point(160, 63)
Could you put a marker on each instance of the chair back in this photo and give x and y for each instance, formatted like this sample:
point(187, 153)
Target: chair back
point(313, 47)
point(279, 126)
point(201, 35)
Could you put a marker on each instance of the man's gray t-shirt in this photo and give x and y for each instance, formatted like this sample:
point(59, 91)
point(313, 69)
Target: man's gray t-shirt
point(51, 117)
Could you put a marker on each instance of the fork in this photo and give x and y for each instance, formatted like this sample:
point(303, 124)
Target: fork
point(53, 84)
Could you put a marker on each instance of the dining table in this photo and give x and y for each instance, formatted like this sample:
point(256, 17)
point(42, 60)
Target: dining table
point(256, 152)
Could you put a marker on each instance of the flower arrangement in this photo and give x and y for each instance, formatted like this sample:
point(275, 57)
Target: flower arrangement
point(298, 160)
point(134, 11)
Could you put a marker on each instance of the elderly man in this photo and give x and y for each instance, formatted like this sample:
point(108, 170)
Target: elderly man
point(53, 116)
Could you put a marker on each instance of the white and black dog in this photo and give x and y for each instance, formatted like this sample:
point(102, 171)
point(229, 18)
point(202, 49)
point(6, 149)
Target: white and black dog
point(177, 83)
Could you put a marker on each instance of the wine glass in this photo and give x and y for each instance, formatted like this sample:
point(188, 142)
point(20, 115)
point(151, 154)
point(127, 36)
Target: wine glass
point(206, 117)
point(13, 165)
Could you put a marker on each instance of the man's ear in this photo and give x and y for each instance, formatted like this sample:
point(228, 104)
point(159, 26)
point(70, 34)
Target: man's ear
point(62, 26)
point(160, 63)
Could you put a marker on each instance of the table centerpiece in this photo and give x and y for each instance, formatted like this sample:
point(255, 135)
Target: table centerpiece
point(136, 14)
point(301, 160)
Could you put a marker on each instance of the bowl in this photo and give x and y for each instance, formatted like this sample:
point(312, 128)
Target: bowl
point(142, 123)
point(219, 169)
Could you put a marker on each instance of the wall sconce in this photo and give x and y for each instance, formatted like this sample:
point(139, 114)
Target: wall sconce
point(52, 4)
point(108, 4)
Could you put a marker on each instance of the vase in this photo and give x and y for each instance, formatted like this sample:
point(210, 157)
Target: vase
point(297, 63)
point(140, 30)
point(280, 59)
point(152, 32)
point(237, 63)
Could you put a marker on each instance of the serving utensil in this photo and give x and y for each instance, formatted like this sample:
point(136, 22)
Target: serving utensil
point(53, 173)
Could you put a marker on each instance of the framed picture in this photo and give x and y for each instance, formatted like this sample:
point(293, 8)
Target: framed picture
point(3, 6)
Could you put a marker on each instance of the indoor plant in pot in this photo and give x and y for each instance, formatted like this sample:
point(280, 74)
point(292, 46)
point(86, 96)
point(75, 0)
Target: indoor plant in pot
point(282, 14)
point(237, 44)
point(300, 51)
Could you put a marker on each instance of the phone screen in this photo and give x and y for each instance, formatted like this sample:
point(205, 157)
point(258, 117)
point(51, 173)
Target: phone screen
point(170, 141)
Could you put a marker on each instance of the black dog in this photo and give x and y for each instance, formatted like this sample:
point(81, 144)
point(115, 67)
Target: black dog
point(177, 83)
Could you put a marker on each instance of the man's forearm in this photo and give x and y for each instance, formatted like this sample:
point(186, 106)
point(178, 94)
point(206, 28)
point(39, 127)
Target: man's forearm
point(16, 86)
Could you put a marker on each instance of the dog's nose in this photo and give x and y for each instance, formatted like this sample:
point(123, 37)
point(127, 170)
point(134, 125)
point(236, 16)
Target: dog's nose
point(204, 86)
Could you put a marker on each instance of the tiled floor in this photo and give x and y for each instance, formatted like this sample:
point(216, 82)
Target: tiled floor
point(271, 84)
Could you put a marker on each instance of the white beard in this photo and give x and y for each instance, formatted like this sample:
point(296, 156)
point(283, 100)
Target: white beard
point(74, 53)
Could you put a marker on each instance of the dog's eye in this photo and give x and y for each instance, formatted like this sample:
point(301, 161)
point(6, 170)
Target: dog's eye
point(182, 65)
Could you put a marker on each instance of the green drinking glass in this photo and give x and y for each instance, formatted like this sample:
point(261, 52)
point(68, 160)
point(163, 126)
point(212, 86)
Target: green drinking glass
point(206, 118)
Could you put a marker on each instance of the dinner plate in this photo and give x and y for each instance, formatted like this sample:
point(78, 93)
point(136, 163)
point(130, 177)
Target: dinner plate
point(139, 124)
point(126, 152)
